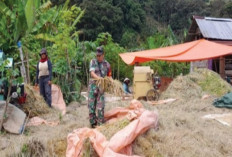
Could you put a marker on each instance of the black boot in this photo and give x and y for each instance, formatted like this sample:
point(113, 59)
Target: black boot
point(93, 125)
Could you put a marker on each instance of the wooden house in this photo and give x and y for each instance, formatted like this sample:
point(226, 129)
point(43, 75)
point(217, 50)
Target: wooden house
point(218, 30)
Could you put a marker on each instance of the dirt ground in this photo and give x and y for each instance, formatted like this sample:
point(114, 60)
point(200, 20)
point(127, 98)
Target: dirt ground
point(182, 132)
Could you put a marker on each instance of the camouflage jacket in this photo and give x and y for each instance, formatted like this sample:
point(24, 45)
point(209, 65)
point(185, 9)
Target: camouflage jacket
point(100, 69)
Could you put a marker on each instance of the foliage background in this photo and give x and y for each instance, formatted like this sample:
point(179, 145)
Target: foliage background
point(72, 29)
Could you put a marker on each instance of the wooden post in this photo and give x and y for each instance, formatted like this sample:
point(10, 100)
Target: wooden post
point(22, 68)
point(222, 67)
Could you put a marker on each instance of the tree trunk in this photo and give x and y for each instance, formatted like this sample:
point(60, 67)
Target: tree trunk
point(86, 70)
point(118, 68)
point(28, 70)
point(69, 66)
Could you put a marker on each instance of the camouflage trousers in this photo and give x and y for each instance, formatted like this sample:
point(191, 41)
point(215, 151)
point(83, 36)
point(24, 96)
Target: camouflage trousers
point(95, 101)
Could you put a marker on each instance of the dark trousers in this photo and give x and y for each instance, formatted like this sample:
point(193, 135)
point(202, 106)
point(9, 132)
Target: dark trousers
point(45, 89)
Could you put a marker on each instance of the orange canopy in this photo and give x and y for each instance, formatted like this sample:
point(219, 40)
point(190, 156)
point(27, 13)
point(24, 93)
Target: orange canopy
point(191, 51)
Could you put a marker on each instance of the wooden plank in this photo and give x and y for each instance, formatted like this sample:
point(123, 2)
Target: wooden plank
point(222, 67)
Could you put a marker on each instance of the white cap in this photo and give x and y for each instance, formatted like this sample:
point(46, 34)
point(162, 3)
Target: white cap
point(126, 79)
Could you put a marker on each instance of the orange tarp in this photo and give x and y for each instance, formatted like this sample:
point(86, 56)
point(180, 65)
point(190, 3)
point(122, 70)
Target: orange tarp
point(191, 51)
point(120, 143)
point(36, 121)
point(57, 98)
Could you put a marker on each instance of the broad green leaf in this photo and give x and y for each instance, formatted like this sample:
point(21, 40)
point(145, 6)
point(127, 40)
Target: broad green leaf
point(45, 6)
point(5, 10)
point(46, 37)
point(44, 18)
point(81, 13)
point(30, 13)
point(20, 25)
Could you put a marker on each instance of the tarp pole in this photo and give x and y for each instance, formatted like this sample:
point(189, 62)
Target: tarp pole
point(222, 67)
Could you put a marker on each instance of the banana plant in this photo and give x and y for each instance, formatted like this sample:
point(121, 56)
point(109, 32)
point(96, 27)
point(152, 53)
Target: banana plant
point(63, 45)
point(21, 18)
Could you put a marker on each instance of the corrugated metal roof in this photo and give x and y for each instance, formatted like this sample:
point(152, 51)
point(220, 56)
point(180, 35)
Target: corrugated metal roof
point(218, 19)
point(215, 28)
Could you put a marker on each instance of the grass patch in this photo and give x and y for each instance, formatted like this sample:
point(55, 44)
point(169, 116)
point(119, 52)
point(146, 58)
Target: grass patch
point(109, 129)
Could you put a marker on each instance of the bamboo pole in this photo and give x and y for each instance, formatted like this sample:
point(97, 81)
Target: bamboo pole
point(22, 68)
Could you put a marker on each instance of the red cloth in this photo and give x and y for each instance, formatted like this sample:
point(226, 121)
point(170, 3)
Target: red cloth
point(44, 59)
point(109, 73)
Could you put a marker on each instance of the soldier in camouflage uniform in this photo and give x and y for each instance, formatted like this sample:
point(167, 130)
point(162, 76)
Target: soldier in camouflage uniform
point(99, 68)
